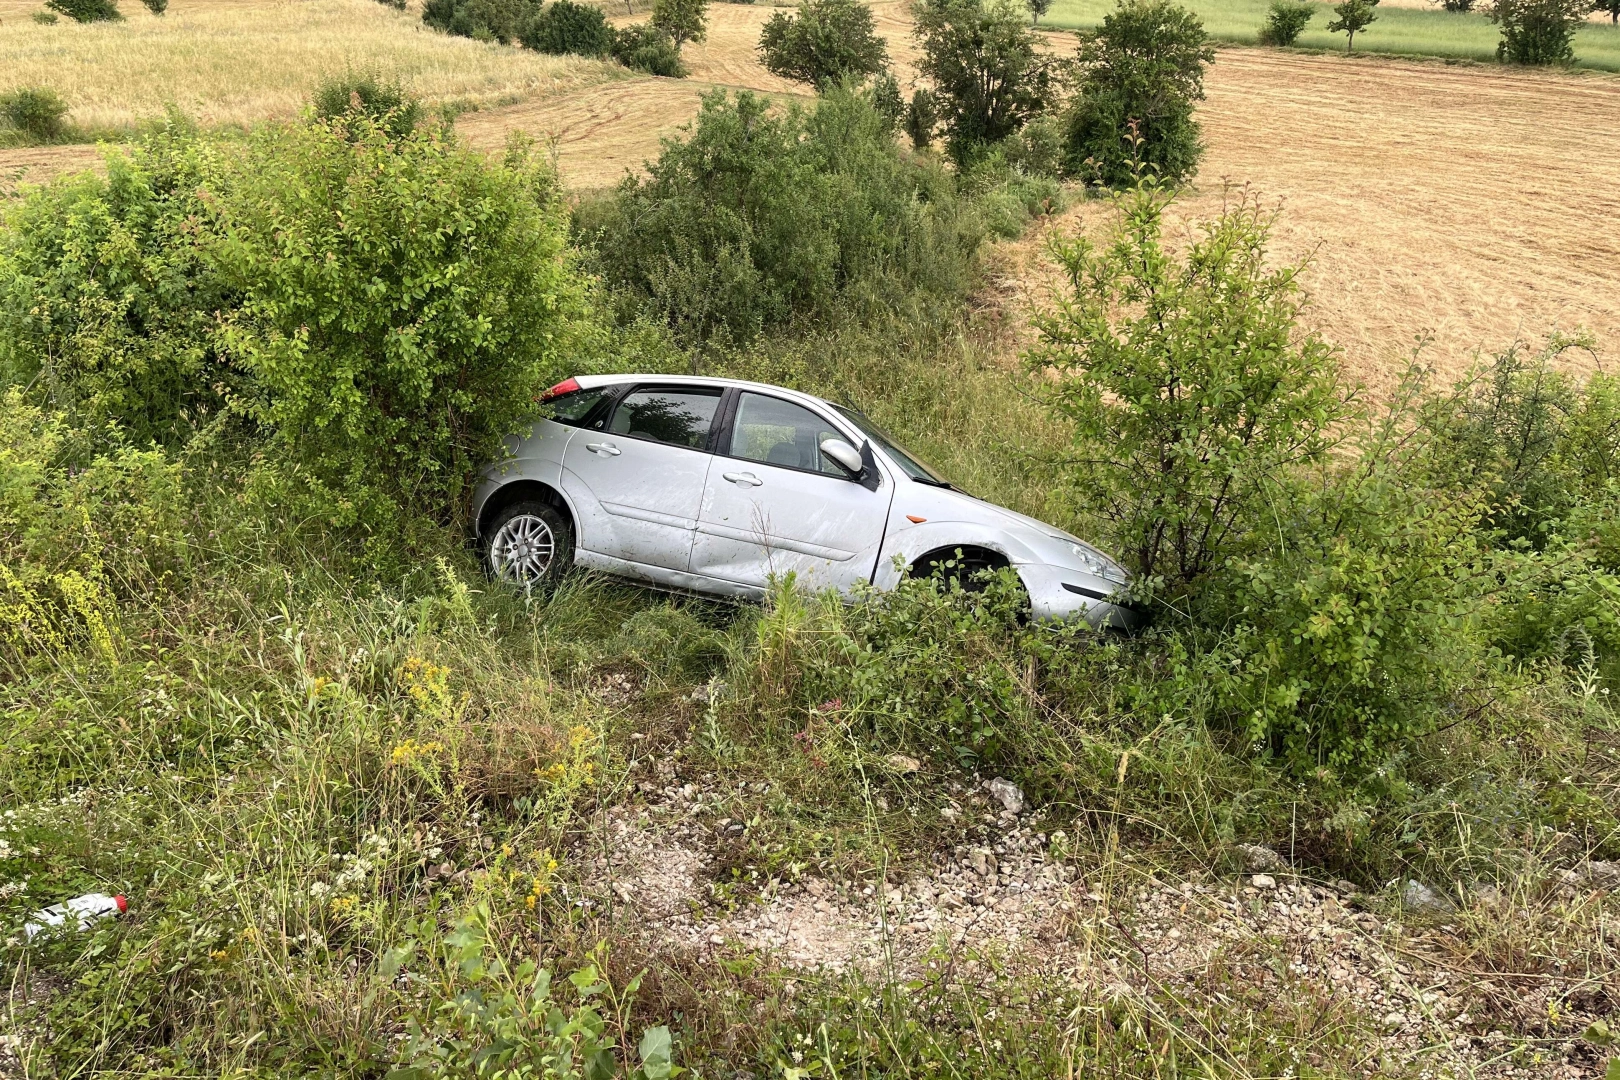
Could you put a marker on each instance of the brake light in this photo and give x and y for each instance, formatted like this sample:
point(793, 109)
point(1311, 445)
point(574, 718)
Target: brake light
point(567, 386)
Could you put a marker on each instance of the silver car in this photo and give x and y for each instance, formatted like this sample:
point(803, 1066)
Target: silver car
point(717, 486)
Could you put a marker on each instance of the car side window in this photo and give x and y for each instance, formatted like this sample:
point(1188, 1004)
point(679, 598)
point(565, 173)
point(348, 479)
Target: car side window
point(777, 432)
point(679, 415)
point(573, 408)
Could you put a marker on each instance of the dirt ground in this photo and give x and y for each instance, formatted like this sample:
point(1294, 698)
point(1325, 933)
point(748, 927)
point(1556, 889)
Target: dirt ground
point(1459, 205)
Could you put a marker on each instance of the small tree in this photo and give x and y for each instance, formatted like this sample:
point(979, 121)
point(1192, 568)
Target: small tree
point(989, 76)
point(1037, 8)
point(828, 42)
point(564, 27)
point(87, 10)
point(1354, 16)
point(682, 20)
point(1457, 6)
point(1612, 7)
point(642, 47)
point(1191, 394)
point(1286, 21)
point(158, 7)
point(1141, 70)
point(1538, 31)
point(37, 113)
point(922, 118)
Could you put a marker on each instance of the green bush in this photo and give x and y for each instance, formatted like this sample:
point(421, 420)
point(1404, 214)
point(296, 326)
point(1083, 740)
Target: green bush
point(108, 305)
point(988, 75)
point(86, 521)
point(1140, 73)
point(643, 47)
point(922, 117)
point(1538, 32)
point(156, 7)
point(384, 102)
point(827, 43)
point(566, 27)
point(87, 10)
point(1285, 21)
point(482, 20)
point(1194, 398)
point(1358, 630)
point(758, 218)
point(403, 303)
point(36, 113)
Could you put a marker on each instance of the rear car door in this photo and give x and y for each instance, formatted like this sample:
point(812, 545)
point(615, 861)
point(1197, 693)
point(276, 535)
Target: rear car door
point(775, 504)
point(638, 480)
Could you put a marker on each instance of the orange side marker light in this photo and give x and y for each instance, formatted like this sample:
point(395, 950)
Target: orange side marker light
point(914, 519)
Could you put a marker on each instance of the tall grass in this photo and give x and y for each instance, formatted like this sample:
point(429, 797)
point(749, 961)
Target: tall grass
point(1416, 31)
point(237, 62)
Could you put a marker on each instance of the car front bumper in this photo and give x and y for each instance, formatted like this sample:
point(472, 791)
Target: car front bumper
point(1063, 594)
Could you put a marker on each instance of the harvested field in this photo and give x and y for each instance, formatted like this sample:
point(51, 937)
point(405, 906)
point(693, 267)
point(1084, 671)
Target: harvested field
point(1433, 201)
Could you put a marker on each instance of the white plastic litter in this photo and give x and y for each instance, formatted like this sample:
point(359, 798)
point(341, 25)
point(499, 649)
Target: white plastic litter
point(86, 911)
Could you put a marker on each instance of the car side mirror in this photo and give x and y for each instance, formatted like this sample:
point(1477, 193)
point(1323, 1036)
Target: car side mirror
point(843, 453)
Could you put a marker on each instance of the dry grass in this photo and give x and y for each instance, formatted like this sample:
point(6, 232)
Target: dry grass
point(1465, 205)
point(230, 62)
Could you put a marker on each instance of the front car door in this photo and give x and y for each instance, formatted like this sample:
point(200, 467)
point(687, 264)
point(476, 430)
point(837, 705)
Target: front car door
point(774, 504)
point(638, 481)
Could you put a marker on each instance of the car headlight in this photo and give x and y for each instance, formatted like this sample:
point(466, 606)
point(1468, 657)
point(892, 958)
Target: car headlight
point(1095, 562)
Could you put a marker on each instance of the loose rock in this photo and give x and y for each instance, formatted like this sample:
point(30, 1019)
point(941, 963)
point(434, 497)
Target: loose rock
point(1258, 859)
point(1008, 794)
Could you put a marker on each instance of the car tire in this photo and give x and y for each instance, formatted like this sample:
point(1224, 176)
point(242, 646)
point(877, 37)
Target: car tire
point(530, 545)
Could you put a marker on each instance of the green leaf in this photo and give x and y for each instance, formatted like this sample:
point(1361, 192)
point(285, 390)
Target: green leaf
point(656, 1049)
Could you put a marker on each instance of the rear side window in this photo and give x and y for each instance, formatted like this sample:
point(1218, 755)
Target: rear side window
point(573, 408)
point(679, 415)
point(778, 432)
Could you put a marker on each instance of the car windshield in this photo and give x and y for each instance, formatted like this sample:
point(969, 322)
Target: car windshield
point(908, 464)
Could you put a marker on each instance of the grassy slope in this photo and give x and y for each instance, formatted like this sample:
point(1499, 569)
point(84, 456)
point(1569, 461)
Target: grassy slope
point(1397, 30)
point(236, 62)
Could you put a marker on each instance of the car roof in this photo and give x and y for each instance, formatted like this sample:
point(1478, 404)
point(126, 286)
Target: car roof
point(588, 381)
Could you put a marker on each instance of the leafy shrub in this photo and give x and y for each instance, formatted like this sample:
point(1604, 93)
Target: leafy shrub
point(1457, 6)
point(922, 117)
point(87, 10)
point(397, 5)
point(156, 7)
point(681, 20)
point(403, 304)
point(1039, 149)
point(884, 95)
point(1356, 631)
point(566, 27)
point(827, 43)
point(1140, 73)
point(1538, 32)
point(77, 527)
point(643, 47)
point(365, 94)
point(106, 302)
point(506, 1019)
point(1037, 8)
point(45, 18)
point(483, 20)
point(1286, 20)
point(36, 113)
point(1353, 16)
point(755, 219)
point(1507, 432)
point(1192, 395)
point(988, 75)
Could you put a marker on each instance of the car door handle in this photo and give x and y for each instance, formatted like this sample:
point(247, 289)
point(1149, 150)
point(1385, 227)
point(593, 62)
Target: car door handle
point(606, 448)
point(746, 478)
